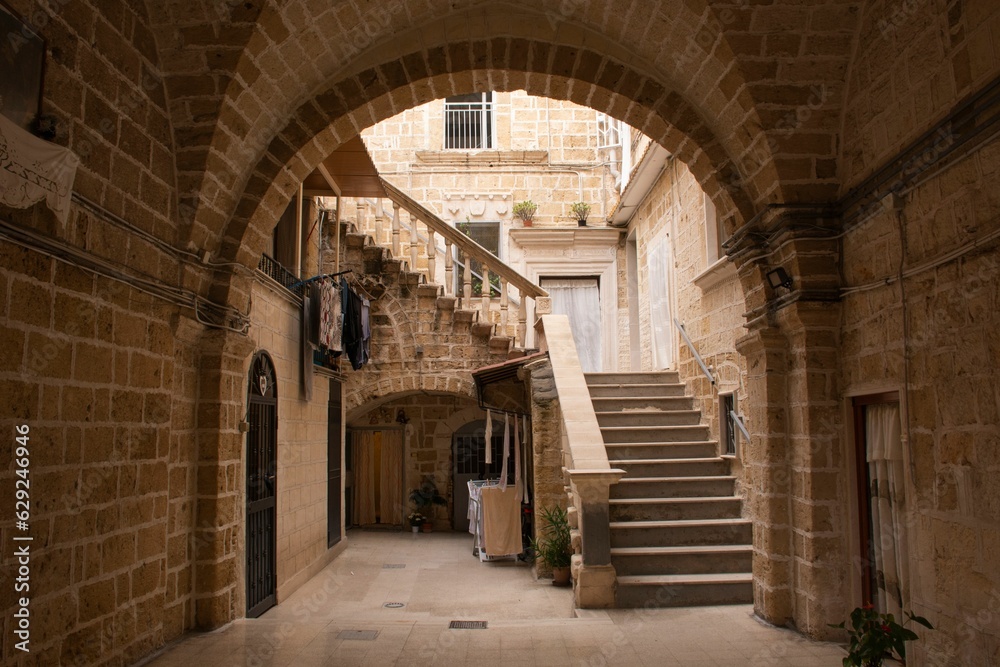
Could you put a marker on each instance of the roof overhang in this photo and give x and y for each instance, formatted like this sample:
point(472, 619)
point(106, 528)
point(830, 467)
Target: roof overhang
point(500, 381)
point(644, 177)
point(347, 172)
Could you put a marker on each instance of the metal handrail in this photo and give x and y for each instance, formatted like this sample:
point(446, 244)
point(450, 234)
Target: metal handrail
point(697, 357)
point(466, 244)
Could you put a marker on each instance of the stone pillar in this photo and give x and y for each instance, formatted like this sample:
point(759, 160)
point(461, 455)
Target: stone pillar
point(594, 578)
point(797, 491)
point(218, 540)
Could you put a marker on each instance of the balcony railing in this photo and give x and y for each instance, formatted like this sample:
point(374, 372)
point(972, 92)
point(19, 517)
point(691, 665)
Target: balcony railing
point(279, 274)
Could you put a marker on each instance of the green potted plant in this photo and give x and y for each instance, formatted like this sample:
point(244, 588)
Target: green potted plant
point(525, 211)
point(875, 636)
point(581, 210)
point(554, 547)
point(424, 498)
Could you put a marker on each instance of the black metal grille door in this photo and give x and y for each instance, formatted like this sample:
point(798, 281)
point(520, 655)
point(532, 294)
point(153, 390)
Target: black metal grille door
point(334, 449)
point(262, 463)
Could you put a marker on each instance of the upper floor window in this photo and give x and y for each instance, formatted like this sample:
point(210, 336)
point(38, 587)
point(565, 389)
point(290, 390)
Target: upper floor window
point(468, 121)
point(715, 233)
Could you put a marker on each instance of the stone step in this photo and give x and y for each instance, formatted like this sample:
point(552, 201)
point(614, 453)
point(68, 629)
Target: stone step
point(446, 303)
point(429, 291)
point(674, 487)
point(482, 329)
point(692, 449)
point(500, 344)
point(655, 377)
point(689, 590)
point(638, 403)
point(674, 509)
point(616, 390)
point(709, 466)
point(694, 532)
point(649, 418)
point(734, 558)
point(463, 315)
point(654, 434)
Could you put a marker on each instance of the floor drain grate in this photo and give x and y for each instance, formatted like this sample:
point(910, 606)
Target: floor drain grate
point(394, 605)
point(393, 566)
point(363, 635)
point(467, 625)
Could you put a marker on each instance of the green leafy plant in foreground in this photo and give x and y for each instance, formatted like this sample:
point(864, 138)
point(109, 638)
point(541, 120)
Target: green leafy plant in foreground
point(874, 636)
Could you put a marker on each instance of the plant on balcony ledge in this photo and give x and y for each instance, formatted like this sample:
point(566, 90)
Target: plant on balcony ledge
point(580, 210)
point(525, 211)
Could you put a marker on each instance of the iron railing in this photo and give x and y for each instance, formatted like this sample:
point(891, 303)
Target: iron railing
point(697, 357)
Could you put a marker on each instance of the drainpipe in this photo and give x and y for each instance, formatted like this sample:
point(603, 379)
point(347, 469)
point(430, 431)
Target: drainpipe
point(298, 234)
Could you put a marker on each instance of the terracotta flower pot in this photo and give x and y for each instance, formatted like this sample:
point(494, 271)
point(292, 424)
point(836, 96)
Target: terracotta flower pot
point(560, 576)
point(427, 527)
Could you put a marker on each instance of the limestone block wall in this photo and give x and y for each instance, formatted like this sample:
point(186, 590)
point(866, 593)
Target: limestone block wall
point(302, 440)
point(705, 294)
point(546, 151)
point(106, 376)
point(932, 336)
point(428, 448)
point(108, 390)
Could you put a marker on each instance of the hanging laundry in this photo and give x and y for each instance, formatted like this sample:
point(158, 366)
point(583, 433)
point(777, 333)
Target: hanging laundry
point(517, 460)
point(506, 451)
point(366, 331)
point(331, 319)
point(489, 437)
point(353, 334)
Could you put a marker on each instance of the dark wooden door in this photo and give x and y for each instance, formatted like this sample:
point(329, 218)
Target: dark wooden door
point(334, 452)
point(261, 466)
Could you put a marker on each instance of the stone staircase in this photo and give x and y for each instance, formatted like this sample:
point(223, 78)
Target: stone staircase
point(441, 320)
point(677, 535)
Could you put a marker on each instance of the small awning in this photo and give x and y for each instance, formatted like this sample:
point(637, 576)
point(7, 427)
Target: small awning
point(348, 172)
point(499, 388)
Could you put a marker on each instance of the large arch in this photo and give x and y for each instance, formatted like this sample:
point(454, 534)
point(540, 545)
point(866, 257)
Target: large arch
point(251, 91)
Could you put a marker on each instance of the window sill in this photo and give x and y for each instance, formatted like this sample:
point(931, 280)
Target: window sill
point(722, 270)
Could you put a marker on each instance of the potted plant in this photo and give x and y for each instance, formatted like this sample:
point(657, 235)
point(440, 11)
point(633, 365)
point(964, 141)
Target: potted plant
point(581, 210)
point(525, 211)
point(416, 520)
point(424, 498)
point(875, 636)
point(554, 548)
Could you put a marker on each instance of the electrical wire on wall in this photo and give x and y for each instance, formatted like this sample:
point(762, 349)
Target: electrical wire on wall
point(225, 317)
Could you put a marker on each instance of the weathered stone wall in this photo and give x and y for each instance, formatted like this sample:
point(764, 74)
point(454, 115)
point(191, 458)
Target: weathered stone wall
point(96, 371)
point(932, 335)
point(302, 438)
point(546, 151)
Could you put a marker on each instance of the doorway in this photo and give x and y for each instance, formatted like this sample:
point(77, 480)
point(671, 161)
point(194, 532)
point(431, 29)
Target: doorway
point(469, 445)
point(580, 300)
point(881, 502)
point(261, 485)
point(377, 471)
point(334, 454)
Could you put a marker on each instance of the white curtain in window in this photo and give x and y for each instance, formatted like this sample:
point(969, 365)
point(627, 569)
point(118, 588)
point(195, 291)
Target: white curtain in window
point(660, 321)
point(580, 300)
point(885, 469)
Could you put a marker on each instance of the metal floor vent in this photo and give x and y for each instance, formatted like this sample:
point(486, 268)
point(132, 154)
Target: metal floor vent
point(467, 625)
point(393, 566)
point(394, 605)
point(363, 635)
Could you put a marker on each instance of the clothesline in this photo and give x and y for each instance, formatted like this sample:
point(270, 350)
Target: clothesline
point(322, 276)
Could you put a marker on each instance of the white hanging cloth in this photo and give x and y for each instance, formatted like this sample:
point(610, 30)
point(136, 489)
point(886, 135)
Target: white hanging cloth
point(885, 468)
point(527, 453)
point(518, 482)
point(489, 437)
point(32, 169)
point(506, 451)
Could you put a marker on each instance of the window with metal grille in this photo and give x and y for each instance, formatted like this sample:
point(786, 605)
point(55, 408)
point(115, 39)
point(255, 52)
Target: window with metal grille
point(468, 121)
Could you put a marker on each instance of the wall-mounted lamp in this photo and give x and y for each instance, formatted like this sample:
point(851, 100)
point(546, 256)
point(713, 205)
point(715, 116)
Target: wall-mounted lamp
point(401, 417)
point(779, 278)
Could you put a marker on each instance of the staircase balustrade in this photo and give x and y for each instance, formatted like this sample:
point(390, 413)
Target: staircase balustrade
point(590, 475)
point(406, 240)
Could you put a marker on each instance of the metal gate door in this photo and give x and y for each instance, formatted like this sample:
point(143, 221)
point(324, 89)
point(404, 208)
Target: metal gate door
point(261, 468)
point(334, 450)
